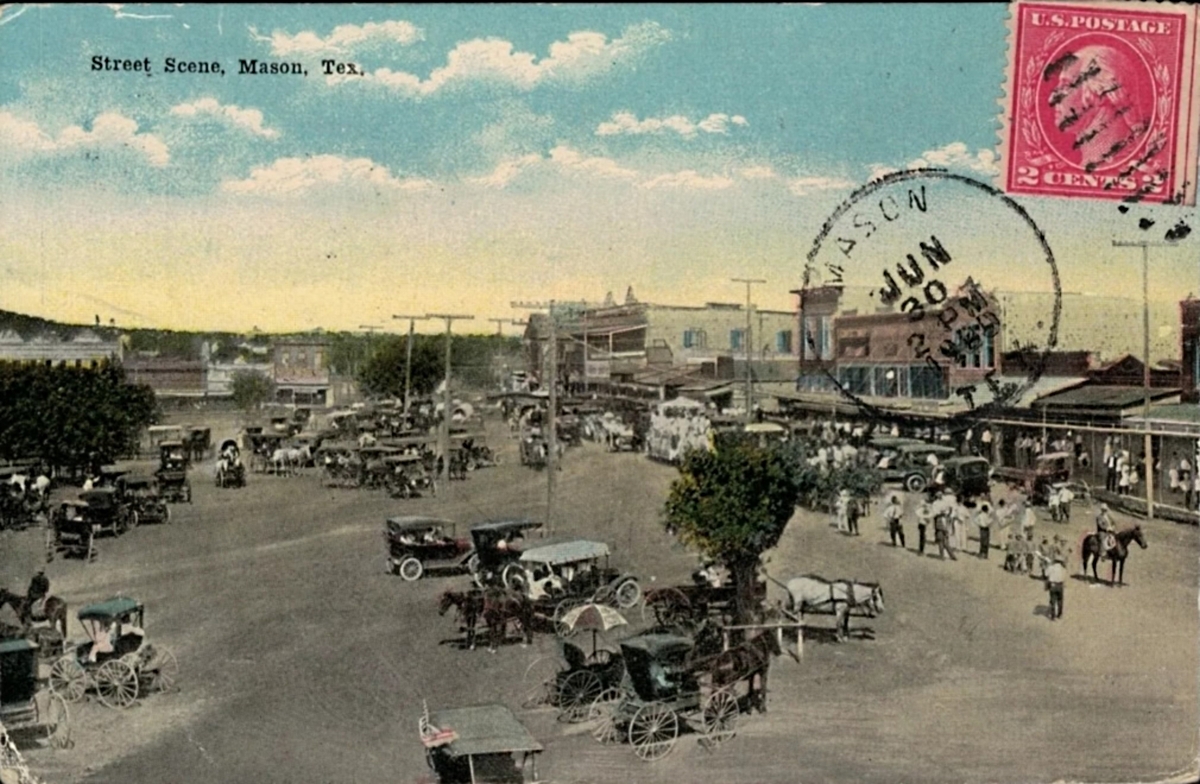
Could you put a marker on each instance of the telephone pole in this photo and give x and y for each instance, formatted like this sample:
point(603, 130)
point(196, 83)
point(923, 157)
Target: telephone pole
point(551, 425)
point(748, 344)
point(1145, 245)
point(444, 438)
point(412, 320)
point(500, 322)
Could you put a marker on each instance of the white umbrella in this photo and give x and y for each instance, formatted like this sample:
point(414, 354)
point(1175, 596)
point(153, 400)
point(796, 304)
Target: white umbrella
point(596, 617)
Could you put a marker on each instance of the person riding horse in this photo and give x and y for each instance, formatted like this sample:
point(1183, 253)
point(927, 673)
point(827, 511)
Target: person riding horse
point(39, 589)
point(1105, 531)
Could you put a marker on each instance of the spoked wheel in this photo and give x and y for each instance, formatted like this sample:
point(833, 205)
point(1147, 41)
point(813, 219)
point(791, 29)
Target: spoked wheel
point(671, 607)
point(513, 577)
point(162, 672)
point(653, 731)
point(576, 694)
point(719, 714)
point(560, 610)
point(53, 719)
point(68, 679)
point(117, 684)
point(629, 593)
point(538, 684)
point(602, 715)
point(411, 569)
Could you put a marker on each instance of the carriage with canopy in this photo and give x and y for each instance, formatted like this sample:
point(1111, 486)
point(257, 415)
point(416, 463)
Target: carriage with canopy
point(407, 476)
point(262, 446)
point(172, 471)
point(230, 472)
point(341, 465)
point(482, 744)
point(109, 511)
point(145, 504)
point(571, 681)
point(27, 708)
point(116, 661)
point(418, 544)
point(74, 530)
point(497, 550)
point(558, 577)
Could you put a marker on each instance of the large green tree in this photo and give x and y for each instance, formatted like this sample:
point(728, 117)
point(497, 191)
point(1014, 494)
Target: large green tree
point(70, 417)
point(251, 389)
point(733, 505)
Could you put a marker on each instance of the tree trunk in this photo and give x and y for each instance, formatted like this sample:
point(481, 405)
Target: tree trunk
point(746, 605)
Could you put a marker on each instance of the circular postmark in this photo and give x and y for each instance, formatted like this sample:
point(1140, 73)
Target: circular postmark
point(916, 288)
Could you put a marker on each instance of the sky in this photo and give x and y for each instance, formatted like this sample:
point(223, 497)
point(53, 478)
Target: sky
point(488, 154)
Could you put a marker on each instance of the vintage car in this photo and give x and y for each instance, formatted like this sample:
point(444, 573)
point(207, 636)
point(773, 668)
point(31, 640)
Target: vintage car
point(912, 466)
point(1036, 481)
point(173, 463)
point(420, 544)
point(140, 493)
point(497, 548)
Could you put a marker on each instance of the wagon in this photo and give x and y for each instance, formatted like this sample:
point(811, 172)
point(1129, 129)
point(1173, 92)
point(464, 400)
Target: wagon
point(340, 463)
point(572, 681)
point(145, 504)
point(230, 472)
point(198, 442)
point(558, 577)
point(418, 544)
point(116, 662)
point(687, 606)
point(73, 530)
point(482, 744)
point(1036, 481)
point(27, 708)
point(376, 472)
point(497, 551)
point(108, 511)
point(262, 446)
point(407, 476)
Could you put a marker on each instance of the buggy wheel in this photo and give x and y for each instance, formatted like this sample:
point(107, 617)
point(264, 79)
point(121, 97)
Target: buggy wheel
point(915, 483)
point(576, 694)
point(68, 679)
point(411, 569)
point(628, 594)
point(538, 683)
point(53, 719)
point(671, 607)
point(166, 516)
point(602, 715)
point(560, 610)
point(133, 519)
point(512, 577)
point(90, 550)
point(720, 714)
point(473, 564)
point(653, 731)
point(117, 684)
point(162, 672)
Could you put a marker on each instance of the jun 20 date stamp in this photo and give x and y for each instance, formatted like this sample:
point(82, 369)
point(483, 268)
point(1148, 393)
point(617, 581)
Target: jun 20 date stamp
point(1102, 101)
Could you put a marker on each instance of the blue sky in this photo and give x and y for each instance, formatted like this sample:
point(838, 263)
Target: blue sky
point(489, 153)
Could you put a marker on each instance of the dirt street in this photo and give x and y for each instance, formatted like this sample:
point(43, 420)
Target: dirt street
point(302, 661)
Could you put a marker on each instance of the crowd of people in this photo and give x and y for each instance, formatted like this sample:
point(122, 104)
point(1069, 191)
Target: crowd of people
point(675, 431)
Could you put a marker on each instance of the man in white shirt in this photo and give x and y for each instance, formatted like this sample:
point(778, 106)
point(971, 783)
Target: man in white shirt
point(1056, 575)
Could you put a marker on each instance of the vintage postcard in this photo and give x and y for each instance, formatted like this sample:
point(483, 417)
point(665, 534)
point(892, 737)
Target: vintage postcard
point(717, 394)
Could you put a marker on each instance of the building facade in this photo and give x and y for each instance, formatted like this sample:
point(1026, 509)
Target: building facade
point(1189, 322)
point(301, 372)
point(85, 349)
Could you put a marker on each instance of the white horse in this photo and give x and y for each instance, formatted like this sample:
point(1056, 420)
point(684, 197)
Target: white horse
point(811, 593)
point(281, 463)
point(299, 457)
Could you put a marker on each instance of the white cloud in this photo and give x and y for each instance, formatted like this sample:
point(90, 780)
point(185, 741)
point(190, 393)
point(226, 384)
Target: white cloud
point(628, 123)
point(246, 119)
point(757, 173)
point(110, 130)
point(689, 179)
point(956, 155)
point(582, 56)
point(571, 160)
point(802, 186)
point(288, 176)
point(506, 171)
point(343, 40)
point(879, 170)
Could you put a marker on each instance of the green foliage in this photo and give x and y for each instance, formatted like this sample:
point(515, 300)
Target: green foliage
point(471, 357)
point(251, 389)
point(71, 416)
point(733, 504)
point(819, 483)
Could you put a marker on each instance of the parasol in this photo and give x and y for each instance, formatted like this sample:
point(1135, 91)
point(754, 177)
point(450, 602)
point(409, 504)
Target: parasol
point(593, 617)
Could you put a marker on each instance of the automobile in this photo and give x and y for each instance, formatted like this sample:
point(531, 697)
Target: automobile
point(497, 547)
point(576, 569)
point(912, 467)
point(141, 495)
point(968, 477)
point(173, 463)
point(1036, 481)
point(419, 544)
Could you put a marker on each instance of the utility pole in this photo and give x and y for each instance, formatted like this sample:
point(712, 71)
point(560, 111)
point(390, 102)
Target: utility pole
point(749, 343)
point(412, 320)
point(500, 322)
point(1145, 245)
point(444, 437)
point(551, 425)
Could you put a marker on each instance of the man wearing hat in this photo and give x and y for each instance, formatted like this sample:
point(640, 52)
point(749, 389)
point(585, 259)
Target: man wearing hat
point(1056, 575)
point(893, 515)
point(1105, 531)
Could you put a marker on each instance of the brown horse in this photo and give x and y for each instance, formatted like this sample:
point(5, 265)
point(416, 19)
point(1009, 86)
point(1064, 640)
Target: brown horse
point(748, 661)
point(1091, 548)
point(500, 606)
point(51, 609)
point(470, 607)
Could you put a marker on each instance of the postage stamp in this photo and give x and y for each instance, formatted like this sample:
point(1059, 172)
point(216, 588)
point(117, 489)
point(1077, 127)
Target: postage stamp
point(1102, 101)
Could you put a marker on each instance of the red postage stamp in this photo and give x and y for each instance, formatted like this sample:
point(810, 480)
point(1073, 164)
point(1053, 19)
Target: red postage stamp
point(1102, 101)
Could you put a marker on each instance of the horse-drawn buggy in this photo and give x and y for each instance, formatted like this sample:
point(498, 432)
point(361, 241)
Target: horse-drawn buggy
point(263, 446)
point(109, 510)
point(814, 595)
point(418, 544)
point(173, 463)
point(688, 606)
point(341, 465)
point(483, 744)
point(377, 472)
point(671, 687)
point(497, 547)
point(407, 476)
point(73, 530)
point(198, 442)
point(572, 681)
point(230, 471)
point(1037, 480)
point(558, 577)
point(474, 450)
point(140, 494)
point(116, 661)
point(29, 710)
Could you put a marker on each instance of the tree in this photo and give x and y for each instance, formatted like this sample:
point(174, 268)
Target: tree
point(732, 506)
point(251, 389)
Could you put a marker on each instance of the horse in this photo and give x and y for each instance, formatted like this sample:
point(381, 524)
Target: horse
point(748, 661)
point(51, 609)
point(1091, 548)
point(500, 606)
point(470, 607)
point(813, 593)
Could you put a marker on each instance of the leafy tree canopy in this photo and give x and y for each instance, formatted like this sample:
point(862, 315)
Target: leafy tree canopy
point(251, 389)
